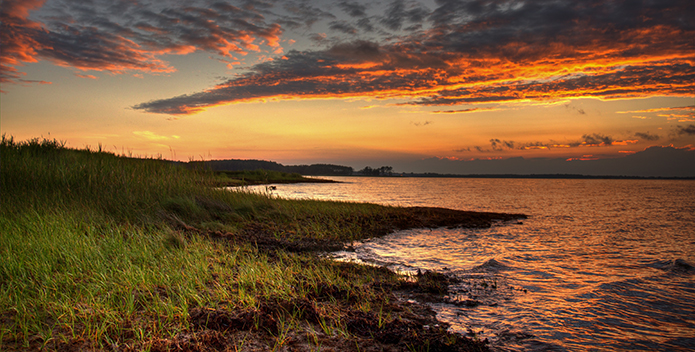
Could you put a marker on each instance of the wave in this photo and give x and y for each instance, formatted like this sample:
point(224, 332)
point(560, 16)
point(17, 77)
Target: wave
point(676, 266)
point(490, 265)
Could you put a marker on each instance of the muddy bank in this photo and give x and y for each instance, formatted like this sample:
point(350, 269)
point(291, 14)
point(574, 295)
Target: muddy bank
point(234, 182)
point(270, 236)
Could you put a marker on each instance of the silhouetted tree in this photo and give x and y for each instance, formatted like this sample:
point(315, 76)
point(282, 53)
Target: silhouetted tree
point(382, 171)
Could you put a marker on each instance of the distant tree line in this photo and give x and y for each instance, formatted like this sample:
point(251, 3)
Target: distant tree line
point(307, 170)
point(241, 165)
point(382, 171)
point(321, 170)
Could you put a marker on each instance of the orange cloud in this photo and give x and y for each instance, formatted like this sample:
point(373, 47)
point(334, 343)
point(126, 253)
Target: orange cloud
point(96, 37)
point(583, 158)
point(87, 76)
point(17, 37)
point(464, 111)
point(658, 109)
point(153, 136)
point(432, 76)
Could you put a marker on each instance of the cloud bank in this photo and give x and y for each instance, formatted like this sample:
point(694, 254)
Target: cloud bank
point(458, 52)
point(593, 140)
point(480, 52)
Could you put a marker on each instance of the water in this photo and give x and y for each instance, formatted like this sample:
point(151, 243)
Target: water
point(601, 265)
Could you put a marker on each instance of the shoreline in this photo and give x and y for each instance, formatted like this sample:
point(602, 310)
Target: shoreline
point(283, 182)
point(269, 236)
point(107, 253)
point(238, 182)
point(413, 321)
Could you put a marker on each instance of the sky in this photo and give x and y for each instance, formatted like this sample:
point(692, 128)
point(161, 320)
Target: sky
point(357, 83)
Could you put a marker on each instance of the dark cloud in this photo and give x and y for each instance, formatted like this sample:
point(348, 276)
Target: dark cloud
point(688, 130)
point(302, 12)
point(343, 26)
point(402, 11)
point(579, 110)
point(358, 50)
point(365, 24)
point(307, 74)
point(568, 27)
point(588, 140)
point(596, 139)
point(342, 70)
point(498, 144)
point(647, 136)
point(353, 9)
point(319, 38)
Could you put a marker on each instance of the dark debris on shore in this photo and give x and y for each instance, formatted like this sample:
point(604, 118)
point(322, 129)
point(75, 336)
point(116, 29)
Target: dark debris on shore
point(413, 327)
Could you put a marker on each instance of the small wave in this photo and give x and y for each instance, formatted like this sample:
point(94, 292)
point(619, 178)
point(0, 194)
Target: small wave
point(490, 265)
point(677, 266)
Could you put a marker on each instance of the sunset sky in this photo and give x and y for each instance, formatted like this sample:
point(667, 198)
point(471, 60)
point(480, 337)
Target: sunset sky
point(351, 82)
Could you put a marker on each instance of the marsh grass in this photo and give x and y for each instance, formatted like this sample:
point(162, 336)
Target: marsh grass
point(93, 252)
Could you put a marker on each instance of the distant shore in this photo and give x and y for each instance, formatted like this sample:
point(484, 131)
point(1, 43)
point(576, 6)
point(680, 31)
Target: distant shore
point(262, 177)
point(542, 176)
point(241, 183)
point(668, 162)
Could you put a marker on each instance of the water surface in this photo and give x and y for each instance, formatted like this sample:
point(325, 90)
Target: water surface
point(599, 265)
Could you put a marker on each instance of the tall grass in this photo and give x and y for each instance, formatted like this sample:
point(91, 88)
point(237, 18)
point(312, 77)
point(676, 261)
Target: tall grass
point(90, 251)
point(45, 174)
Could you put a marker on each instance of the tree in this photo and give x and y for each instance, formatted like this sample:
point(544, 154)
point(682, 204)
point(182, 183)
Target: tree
point(382, 171)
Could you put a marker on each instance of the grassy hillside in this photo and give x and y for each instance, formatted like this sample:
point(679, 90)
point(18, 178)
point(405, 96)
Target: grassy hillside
point(102, 252)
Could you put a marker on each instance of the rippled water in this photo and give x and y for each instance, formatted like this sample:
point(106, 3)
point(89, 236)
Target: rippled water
point(599, 265)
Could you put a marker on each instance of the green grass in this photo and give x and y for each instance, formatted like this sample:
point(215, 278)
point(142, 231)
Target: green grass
point(100, 249)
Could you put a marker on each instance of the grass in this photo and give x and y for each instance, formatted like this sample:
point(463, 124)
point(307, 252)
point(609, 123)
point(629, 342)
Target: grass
point(100, 251)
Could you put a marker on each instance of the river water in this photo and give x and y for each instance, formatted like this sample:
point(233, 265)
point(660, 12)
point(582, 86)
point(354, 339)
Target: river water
point(602, 265)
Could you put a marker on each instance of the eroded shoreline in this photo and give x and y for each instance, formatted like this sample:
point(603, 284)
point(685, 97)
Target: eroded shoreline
point(411, 324)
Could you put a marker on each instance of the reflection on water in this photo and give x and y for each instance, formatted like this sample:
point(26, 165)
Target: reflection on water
point(599, 265)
